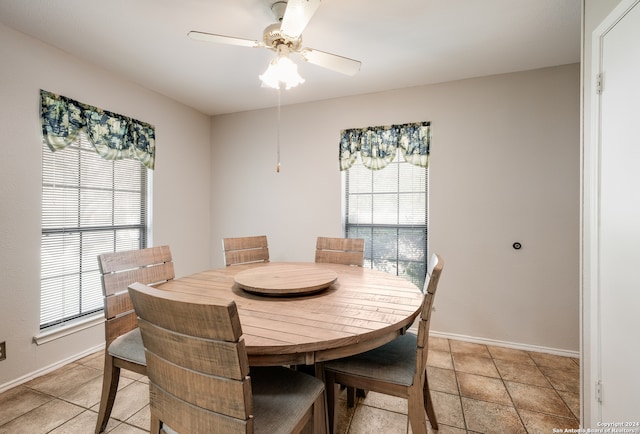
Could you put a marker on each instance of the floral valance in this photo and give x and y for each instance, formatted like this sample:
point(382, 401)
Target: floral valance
point(378, 145)
point(114, 136)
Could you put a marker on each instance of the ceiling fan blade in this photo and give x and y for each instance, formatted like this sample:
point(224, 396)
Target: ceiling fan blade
point(220, 39)
point(297, 16)
point(340, 64)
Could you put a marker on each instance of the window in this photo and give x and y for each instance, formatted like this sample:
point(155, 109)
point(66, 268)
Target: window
point(89, 206)
point(389, 209)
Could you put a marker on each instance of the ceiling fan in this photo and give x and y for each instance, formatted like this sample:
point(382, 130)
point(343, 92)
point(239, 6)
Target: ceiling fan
point(285, 36)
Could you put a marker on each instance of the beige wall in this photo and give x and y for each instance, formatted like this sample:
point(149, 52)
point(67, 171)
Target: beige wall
point(181, 199)
point(504, 168)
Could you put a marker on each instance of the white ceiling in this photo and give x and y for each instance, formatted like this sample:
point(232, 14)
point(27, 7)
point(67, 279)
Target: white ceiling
point(401, 43)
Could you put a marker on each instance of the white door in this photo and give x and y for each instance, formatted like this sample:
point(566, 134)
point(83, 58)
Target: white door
point(619, 218)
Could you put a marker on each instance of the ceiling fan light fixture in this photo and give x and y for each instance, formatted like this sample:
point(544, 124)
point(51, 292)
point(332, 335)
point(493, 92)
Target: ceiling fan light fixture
point(281, 70)
point(284, 36)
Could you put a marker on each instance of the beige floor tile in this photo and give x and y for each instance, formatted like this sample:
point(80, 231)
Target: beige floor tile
point(133, 375)
point(441, 344)
point(537, 399)
point(489, 417)
point(473, 364)
point(483, 388)
point(42, 419)
point(18, 401)
point(562, 379)
point(124, 428)
point(469, 348)
point(442, 429)
point(546, 423)
point(345, 414)
point(519, 373)
point(84, 423)
point(554, 361)
point(95, 360)
point(111, 425)
point(141, 419)
point(90, 358)
point(442, 380)
point(572, 399)
point(62, 380)
point(367, 420)
point(86, 396)
point(89, 394)
point(439, 359)
point(386, 402)
point(510, 354)
point(448, 409)
point(129, 401)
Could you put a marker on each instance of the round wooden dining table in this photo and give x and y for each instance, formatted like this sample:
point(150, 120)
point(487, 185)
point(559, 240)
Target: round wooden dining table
point(346, 310)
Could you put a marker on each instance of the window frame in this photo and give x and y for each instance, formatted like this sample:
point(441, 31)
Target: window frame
point(354, 230)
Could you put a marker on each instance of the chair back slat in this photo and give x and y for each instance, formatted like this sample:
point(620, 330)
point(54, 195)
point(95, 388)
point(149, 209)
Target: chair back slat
point(118, 261)
point(118, 282)
point(115, 286)
point(347, 251)
point(245, 256)
point(119, 325)
point(219, 321)
point(197, 362)
point(187, 418)
point(121, 269)
point(214, 357)
point(117, 305)
point(231, 398)
point(242, 250)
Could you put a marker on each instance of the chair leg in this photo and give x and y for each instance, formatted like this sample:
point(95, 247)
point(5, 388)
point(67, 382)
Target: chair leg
point(416, 410)
point(332, 404)
point(110, 379)
point(155, 425)
point(320, 417)
point(351, 397)
point(352, 394)
point(428, 403)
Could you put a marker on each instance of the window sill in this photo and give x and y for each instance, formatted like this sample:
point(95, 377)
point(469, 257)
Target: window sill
point(69, 329)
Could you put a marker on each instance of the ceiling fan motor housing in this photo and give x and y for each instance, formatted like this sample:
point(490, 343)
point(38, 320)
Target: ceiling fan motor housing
point(273, 37)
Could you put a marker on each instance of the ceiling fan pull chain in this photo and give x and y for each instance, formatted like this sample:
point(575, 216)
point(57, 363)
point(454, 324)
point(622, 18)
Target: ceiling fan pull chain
point(278, 139)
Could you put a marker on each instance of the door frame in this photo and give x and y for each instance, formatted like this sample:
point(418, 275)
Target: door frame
point(591, 373)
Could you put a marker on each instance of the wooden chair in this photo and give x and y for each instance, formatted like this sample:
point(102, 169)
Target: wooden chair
point(123, 343)
point(347, 251)
point(243, 250)
point(397, 368)
point(198, 368)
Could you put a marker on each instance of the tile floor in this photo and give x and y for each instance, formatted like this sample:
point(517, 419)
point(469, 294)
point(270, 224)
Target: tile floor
point(475, 389)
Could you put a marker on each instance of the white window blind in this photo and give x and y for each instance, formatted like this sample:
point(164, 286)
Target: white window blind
point(89, 206)
point(389, 209)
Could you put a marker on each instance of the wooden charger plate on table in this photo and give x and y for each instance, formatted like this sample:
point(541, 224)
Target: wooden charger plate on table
point(285, 280)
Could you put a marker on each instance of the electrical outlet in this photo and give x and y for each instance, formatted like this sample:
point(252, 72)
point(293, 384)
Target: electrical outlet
point(3, 350)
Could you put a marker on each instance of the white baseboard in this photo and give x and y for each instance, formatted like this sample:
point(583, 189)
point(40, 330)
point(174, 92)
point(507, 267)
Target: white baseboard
point(40, 372)
point(517, 346)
